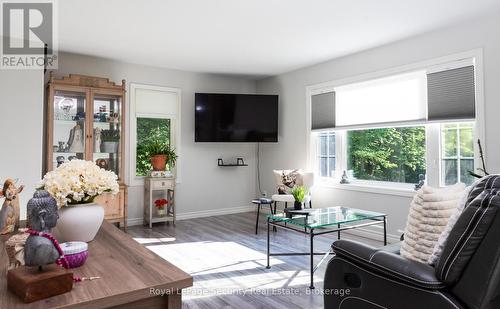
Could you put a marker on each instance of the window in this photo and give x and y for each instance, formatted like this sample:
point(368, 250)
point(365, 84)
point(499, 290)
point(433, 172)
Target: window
point(326, 154)
point(397, 126)
point(457, 153)
point(154, 113)
point(146, 129)
point(389, 154)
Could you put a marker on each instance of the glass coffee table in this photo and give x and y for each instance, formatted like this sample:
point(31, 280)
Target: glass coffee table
point(320, 221)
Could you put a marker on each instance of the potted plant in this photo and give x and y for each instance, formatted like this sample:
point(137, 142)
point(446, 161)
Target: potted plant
point(75, 185)
point(160, 207)
point(299, 193)
point(159, 152)
point(110, 140)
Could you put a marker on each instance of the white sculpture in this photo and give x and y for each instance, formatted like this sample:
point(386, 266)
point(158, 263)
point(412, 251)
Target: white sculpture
point(75, 141)
point(97, 140)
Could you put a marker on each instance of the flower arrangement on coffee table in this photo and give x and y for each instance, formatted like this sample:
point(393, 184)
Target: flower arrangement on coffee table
point(160, 206)
point(79, 182)
point(75, 185)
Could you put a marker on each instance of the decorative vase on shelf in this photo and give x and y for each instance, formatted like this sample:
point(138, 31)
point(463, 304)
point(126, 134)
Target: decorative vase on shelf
point(161, 212)
point(159, 162)
point(109, 147)
point(79, 222)
point(297, 205)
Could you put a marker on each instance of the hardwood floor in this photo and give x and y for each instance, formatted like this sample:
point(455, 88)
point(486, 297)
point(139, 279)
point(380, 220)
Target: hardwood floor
point(227, 261)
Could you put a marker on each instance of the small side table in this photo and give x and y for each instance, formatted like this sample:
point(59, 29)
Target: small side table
point(156, 188)
point(260, 202)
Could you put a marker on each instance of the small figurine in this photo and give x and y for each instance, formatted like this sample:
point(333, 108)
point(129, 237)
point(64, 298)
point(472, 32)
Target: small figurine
point(97, 140)
point(344, 179)
point(60, 160)
point(15, 249)
point(421, 182)
point(42, 216)
point(9, 214)
point(75, 141)
point(102, 163)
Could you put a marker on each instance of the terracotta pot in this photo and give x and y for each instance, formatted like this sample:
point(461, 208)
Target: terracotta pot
point(159, 162)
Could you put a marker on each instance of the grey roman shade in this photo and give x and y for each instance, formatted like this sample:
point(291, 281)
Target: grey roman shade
point(323, 111)
point(451, 94)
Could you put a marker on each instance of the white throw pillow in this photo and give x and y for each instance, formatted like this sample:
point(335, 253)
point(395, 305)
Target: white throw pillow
point(286, 180)
point(438, 248)
point(428, 217)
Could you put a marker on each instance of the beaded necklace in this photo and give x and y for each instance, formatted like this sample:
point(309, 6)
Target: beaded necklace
point(61, 261)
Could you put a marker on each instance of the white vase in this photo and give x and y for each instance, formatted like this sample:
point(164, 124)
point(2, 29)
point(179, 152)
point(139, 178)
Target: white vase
point(78, 222)
point(161, 212)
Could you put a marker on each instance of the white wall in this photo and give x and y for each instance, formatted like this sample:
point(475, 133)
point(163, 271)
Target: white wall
point(21, 124)
point(292, 148)
point(205, 188)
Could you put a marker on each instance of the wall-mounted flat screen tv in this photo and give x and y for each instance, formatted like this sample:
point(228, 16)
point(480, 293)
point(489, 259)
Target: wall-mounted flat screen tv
point(251, 118)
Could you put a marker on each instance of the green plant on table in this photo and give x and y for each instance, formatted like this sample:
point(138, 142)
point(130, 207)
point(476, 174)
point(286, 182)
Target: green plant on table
point(299, 193)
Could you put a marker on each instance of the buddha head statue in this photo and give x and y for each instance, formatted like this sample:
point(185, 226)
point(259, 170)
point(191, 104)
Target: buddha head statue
point(42, 211)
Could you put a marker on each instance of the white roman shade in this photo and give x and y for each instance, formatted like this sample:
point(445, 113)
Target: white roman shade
point(451, 94)
point(398, 99)
point(323, 111)
point(152, 102)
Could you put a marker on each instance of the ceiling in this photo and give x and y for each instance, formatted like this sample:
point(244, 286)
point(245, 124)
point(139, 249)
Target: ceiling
point(248, 37)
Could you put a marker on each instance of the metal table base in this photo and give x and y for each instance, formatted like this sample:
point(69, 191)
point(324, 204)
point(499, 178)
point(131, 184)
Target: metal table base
point(311, 232)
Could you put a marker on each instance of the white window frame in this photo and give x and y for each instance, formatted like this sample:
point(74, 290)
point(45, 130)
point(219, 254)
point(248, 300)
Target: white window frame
point(175, 132)
point(459, 156)
point(433, 158)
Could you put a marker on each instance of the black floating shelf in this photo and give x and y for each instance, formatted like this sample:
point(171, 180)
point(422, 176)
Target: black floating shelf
point(240, 162)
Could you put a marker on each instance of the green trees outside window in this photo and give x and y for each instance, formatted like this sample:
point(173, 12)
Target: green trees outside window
point(389, 154)
point(147, 129)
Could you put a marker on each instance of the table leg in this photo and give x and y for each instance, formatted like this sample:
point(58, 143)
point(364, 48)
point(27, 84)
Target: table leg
point(275, 229)
point(257, 220)
point(311, 231)
point(385, 230)
point(338, 232)
point(268, 247)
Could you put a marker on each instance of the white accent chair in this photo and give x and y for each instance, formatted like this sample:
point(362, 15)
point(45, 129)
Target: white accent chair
point(307, 181)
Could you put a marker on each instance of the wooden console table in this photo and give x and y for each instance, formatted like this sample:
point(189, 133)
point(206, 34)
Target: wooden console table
point(129, 271)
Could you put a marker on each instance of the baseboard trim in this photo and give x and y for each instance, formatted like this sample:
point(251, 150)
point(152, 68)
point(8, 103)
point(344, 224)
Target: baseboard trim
point(201, 214)
point(215, 212)
point(135, 221)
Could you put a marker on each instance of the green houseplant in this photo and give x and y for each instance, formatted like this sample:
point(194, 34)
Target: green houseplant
point(110, 140)
point(299, 193)
point(159, 152)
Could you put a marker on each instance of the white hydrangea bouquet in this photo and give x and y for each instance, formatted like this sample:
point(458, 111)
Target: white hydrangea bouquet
point(79, 182)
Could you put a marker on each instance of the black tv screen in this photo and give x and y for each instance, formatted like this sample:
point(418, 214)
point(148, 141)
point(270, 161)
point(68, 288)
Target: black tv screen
point(236, 117)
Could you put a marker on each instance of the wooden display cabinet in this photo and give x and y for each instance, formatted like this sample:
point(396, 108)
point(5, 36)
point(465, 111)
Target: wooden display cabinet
point(86, 120)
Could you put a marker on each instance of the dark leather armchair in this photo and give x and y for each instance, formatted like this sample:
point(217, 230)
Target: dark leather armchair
point(466, 276)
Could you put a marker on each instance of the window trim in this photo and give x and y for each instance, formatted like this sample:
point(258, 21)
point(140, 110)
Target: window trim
point(175, 131)
point(432, 154)
point(459, 157)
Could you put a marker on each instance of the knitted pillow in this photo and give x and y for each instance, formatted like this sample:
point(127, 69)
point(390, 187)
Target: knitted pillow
point(429, 212)
point(286, 180)
point(438, 248)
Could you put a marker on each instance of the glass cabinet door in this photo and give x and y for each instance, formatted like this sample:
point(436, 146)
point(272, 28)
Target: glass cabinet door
point(69, 127)
point(107, 132)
